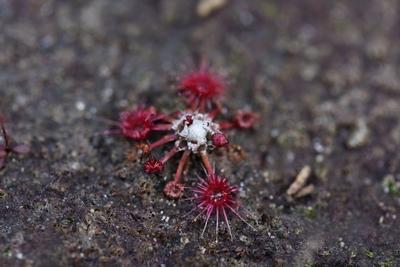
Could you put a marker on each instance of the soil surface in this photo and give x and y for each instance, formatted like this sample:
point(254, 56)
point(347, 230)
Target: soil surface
point(324, 75)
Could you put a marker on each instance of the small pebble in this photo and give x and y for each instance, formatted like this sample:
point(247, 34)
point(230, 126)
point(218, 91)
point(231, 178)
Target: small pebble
point(80, 105)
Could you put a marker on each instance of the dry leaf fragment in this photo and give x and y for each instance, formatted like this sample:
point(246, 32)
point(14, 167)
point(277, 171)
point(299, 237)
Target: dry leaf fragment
point(300, 181)
point(305, 191)
point(206, 7)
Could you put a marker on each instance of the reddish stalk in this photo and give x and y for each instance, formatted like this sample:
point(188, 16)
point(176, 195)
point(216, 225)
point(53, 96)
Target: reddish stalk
point(162, 141)
point(214, 113)
point(162, 127)
point(162, 117)
point(206, 162)
point(191, 101)
point(225, 125)
point(194, 103)
point(169, 155)
point(202, 105)
point(174, 189)
point(181, 165)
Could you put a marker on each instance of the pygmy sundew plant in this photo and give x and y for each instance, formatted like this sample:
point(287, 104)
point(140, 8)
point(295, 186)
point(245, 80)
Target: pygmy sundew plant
point(7, 146)
point(192, 130)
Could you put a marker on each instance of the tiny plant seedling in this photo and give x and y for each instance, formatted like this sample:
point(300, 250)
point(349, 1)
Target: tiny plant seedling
point(7, 146)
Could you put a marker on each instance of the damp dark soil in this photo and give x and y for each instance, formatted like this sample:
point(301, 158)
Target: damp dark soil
point(324, 76)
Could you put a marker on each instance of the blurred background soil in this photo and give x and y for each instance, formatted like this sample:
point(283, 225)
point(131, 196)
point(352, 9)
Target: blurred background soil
point(324, 75)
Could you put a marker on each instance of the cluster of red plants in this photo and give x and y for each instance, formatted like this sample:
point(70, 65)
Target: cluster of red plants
point(7, 146)
point(191, 131)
